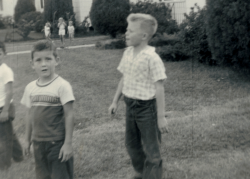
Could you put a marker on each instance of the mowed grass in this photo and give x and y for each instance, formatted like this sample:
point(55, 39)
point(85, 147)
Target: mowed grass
point(208, 114)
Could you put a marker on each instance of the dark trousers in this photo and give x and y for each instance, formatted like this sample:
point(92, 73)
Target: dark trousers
point(10, 147)
point(48, 166)
point(143, 137)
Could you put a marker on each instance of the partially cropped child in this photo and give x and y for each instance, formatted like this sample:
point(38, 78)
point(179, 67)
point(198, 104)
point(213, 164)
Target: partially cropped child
point(49, 118)
point(10, 147)
point(71, 31)
point(61, 25)
point(47, 31)
point(142, 85)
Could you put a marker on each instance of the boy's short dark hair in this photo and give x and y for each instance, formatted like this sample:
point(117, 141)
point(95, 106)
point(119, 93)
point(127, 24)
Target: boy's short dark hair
point(42, 45)
point(2, 46)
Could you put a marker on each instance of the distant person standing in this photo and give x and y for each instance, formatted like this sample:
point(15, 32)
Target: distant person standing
point(71, 31)
point(47, 31)
point(61, 25)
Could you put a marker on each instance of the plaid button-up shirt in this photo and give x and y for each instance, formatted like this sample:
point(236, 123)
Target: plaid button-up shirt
point(140, 73)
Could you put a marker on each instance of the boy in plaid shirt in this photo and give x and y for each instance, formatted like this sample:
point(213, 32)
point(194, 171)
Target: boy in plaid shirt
point(142, 85)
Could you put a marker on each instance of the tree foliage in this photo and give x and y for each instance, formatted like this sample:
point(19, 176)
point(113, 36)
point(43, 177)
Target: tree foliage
point(54, 9)
point(36, 18)
point(228, 28)
point(109, 16)
point(161, 12)
point(22, 7)
point(193, 35)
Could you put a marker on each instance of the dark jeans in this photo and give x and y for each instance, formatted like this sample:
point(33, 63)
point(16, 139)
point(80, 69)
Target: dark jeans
point(48, 166)
point(143, 137)
point(10, 147)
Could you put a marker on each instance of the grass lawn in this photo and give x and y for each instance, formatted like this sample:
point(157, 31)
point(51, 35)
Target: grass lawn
point(208, 118)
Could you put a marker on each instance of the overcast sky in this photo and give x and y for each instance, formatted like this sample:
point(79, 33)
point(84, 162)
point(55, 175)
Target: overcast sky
point(190, 3)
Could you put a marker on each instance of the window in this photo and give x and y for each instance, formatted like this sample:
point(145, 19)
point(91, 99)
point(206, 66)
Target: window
point(42, 3)
point(1, 5)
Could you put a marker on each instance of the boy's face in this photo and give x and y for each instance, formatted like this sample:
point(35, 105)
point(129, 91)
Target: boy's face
point(44, 63)
point(134, 34)
point(2, 55)
point(70, 23)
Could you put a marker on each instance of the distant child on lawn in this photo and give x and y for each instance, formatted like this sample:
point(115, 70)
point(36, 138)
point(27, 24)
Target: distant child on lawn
point(47, 31)
point(9, 144)
point(142, 85)
point(61, 25)
point(49, 118)
point(71, 31)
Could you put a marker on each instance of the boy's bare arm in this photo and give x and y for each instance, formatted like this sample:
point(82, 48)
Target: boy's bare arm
point(160, 100)
point(66, 151)
point(118, 94)
point(4, 116)
point(28, 132)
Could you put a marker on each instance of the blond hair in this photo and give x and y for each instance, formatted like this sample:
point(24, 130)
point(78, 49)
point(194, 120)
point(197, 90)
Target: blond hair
point(148, 23)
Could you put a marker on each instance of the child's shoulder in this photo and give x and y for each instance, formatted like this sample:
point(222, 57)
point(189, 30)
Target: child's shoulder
point(151, 53)
point(5, 68)
point(31, 84)
point(62, 82)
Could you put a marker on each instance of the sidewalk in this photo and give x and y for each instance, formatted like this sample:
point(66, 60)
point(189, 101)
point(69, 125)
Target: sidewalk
point(24, 46)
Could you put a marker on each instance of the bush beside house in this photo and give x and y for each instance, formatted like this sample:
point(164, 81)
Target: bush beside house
point(22, 7)
point(109, 16)
point(227, 29)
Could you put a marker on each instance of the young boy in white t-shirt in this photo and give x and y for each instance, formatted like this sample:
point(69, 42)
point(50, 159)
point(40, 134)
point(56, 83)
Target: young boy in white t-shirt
point(9, 144)
point(47, 31)
point(49, 118)
point(71, 31)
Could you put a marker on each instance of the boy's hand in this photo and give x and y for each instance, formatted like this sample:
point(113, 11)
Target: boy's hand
point(66, 152)
point(26, 147)
point(4, 116)
point(113, 108)
point(163, 125)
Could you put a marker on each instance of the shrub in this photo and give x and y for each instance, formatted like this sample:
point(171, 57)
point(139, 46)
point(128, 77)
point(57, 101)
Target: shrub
point(109, 16)
point(36, 18)
point(111, 44)
point(172, 52)
point(162, 40)
point(83, 27)
point(193, 35)
point(228, 28)
point(161, 12)
point(24, 28)
point(22, 7)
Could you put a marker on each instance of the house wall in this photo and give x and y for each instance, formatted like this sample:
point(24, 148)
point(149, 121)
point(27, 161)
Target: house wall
point(81, 8)
point(39, 5)
point(8, 7)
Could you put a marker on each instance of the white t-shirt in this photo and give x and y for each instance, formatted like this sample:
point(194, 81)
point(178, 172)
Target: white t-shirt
point(46, 108)
point(71, 29)
point(46, 30)
point(6, 76)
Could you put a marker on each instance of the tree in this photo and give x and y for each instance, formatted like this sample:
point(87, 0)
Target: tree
point(59, 8)
point(228, 28)
point(22, 7)
point(109, 16)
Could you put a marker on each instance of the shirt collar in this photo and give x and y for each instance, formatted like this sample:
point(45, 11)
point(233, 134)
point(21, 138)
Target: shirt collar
point(147, 50)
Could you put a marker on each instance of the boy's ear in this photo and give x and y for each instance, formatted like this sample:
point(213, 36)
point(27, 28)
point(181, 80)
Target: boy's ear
point(32, 63)
point(58, 60)
point(145, 36)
